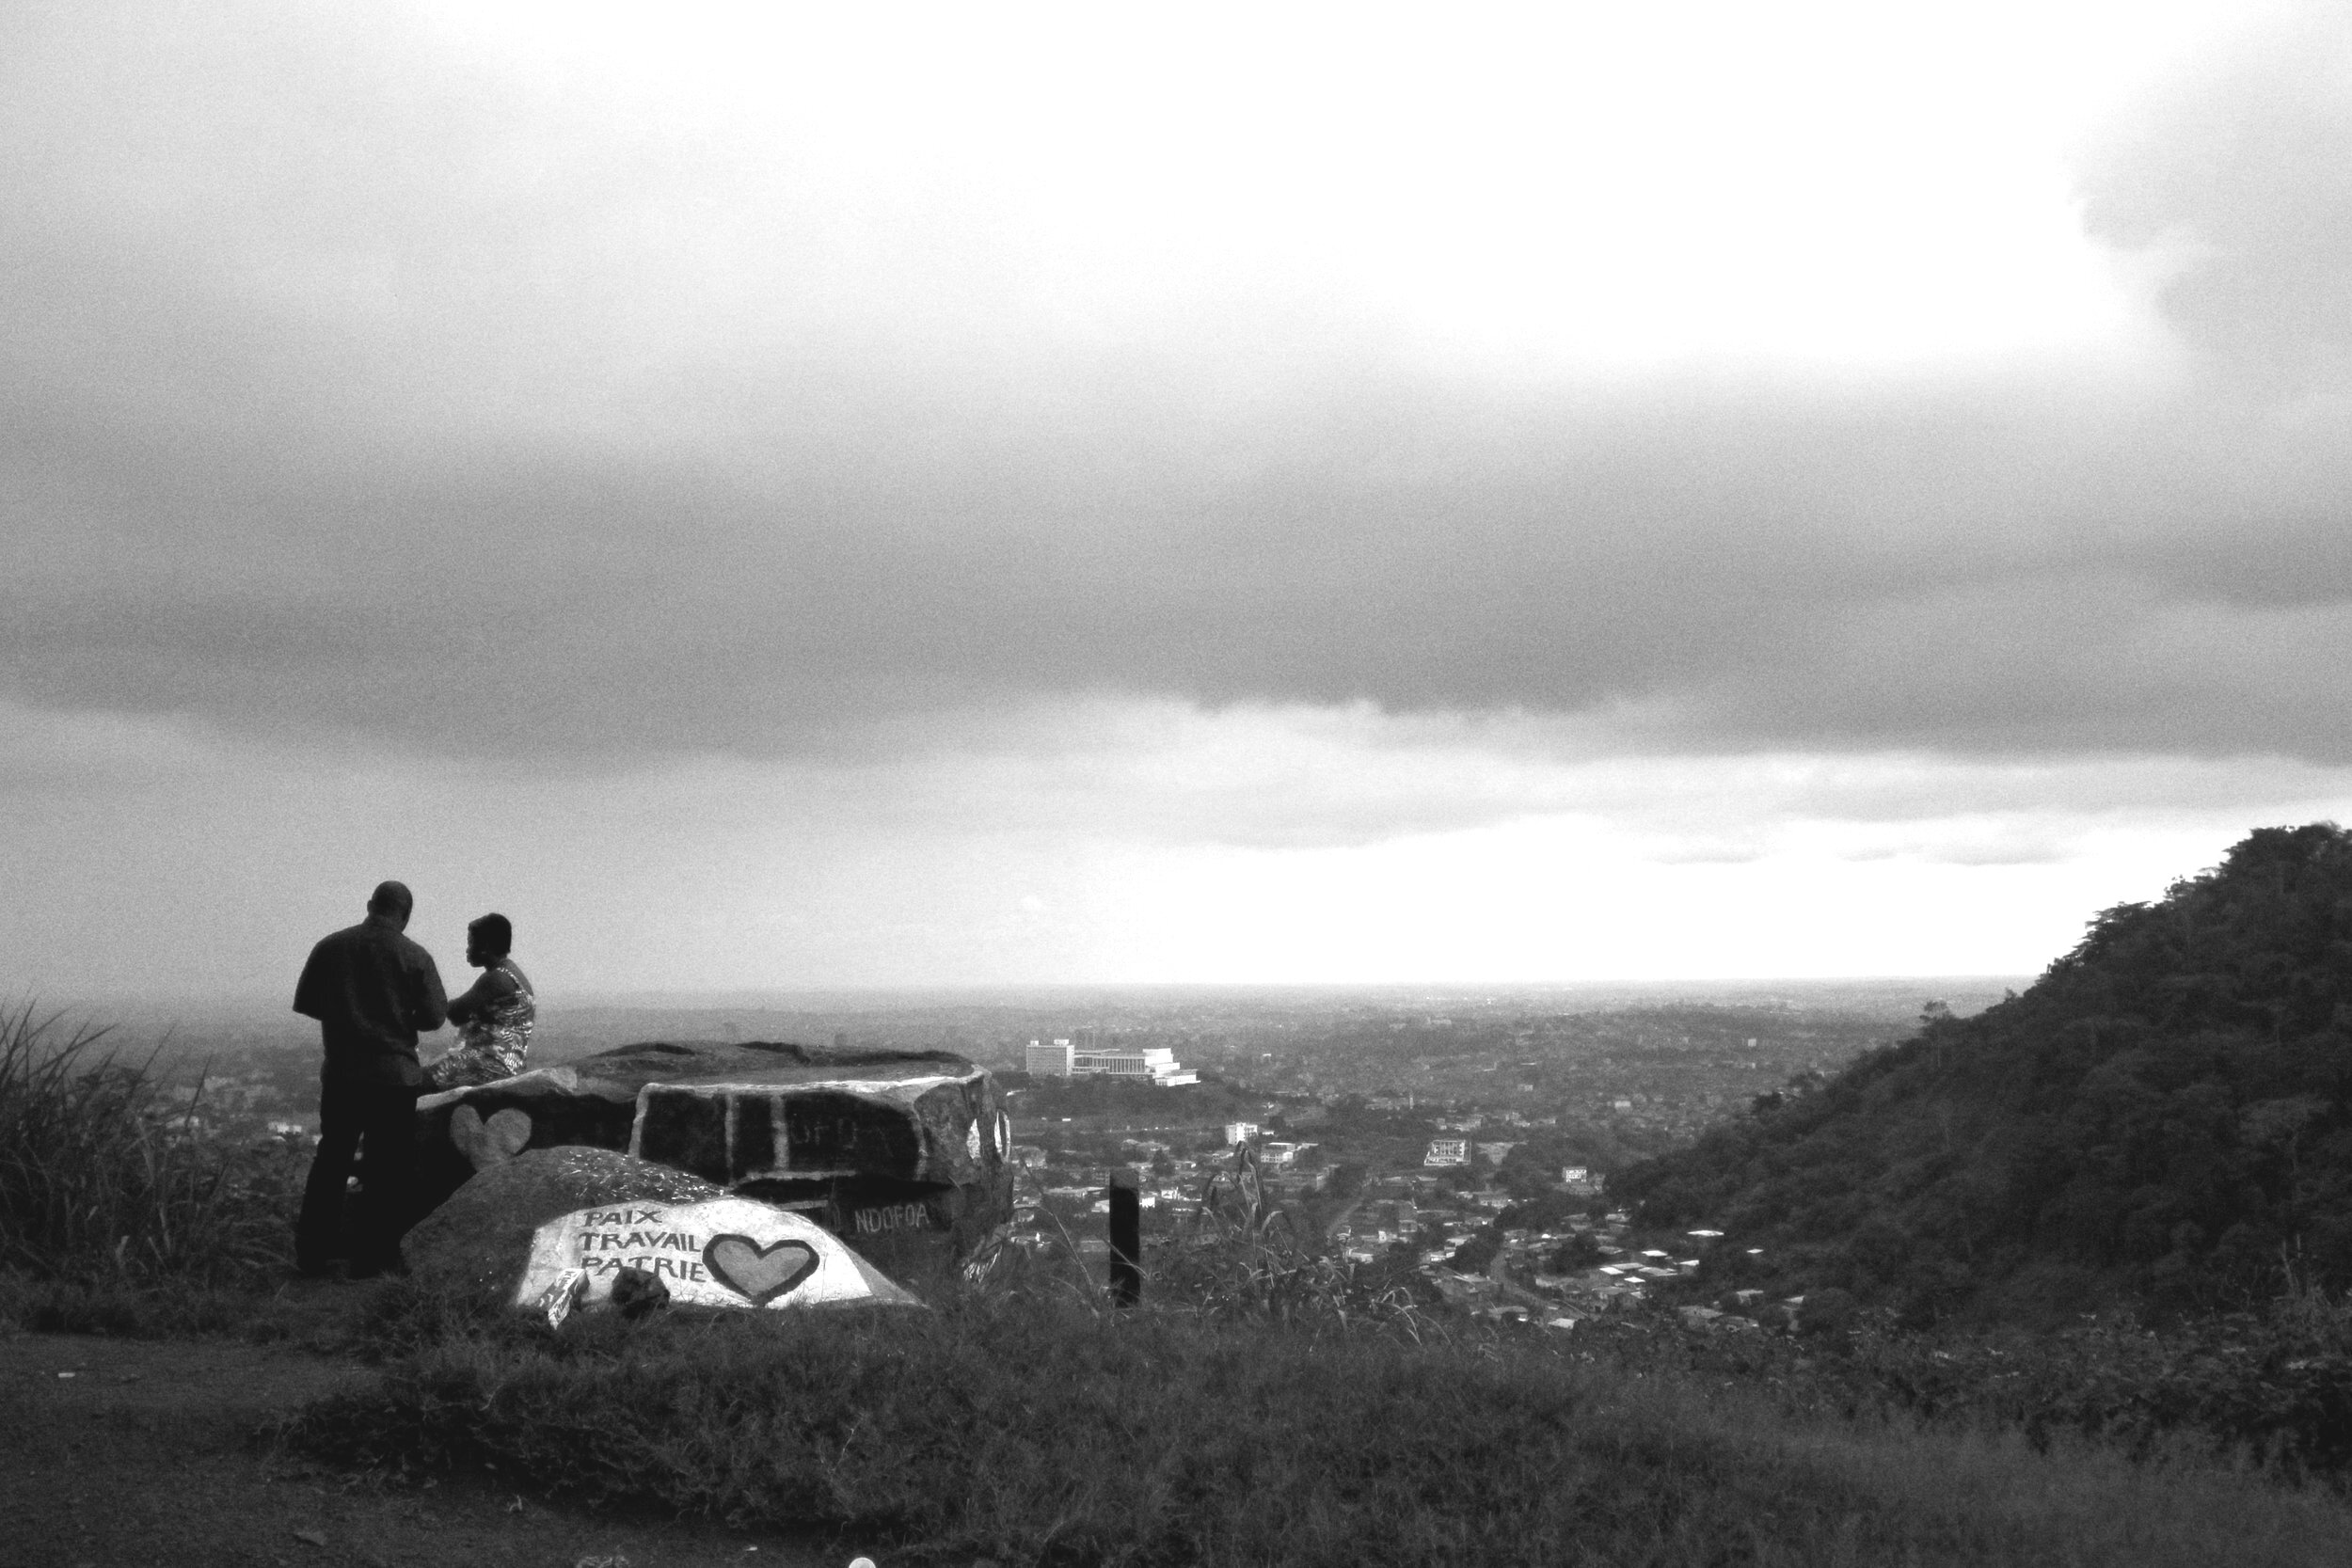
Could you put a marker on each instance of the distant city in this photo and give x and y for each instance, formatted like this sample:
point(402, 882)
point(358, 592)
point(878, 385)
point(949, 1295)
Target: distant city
point(1467, 1136)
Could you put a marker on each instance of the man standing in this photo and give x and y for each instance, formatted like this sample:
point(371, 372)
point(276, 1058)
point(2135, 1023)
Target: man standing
point(372, 989)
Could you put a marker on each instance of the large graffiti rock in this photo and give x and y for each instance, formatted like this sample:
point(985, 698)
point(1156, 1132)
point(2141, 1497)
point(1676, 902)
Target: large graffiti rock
point(478, 1243)
point(557, 1228)
point(721, 1252)
point(901, 1154)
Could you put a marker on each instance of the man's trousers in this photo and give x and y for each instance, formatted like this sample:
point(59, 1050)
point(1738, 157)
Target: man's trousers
point(376, 1124)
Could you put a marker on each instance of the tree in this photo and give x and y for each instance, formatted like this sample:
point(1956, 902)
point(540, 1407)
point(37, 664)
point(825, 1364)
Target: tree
point(1475, 1255)
point(2164, 1116)
point(1579, 1251)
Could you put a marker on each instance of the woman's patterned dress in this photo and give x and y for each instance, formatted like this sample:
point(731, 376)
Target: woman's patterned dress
point(492, 1044)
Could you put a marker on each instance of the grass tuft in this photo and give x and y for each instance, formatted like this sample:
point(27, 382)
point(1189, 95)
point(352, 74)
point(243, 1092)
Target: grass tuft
point(101, 1181)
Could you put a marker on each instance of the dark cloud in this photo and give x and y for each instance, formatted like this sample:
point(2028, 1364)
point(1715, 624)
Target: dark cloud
point(1814, 588)
point(345, 392)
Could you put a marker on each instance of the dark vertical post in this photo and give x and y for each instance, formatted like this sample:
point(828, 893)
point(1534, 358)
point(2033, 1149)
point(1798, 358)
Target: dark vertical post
point(1126, 1238)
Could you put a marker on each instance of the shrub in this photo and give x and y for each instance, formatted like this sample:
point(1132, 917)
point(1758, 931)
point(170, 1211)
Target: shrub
point(1255, 1266)
point(1241, 1279)
point(100, 1180)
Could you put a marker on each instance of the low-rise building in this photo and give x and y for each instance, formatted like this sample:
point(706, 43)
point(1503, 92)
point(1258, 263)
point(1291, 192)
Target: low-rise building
point(1065, 1058)
point(1156, 1065)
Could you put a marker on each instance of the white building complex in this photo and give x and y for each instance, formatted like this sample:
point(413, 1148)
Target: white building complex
point(1149, 1064)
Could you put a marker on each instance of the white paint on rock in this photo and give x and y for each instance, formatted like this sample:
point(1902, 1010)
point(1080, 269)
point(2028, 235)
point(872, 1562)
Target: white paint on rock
point(562, 1078)
point(900, 1094)
point(721, 1252)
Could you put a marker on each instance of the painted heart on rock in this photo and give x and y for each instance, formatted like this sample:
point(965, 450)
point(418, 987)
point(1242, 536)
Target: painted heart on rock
point(489, 1143)
point(761, 1273)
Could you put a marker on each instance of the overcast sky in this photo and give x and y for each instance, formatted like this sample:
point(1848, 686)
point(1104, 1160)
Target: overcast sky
point(884, 496)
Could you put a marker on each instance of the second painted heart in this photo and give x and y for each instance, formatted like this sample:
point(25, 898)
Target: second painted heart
point(488, 1142)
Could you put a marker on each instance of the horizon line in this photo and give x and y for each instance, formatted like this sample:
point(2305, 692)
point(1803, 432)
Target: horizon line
point(747, 996)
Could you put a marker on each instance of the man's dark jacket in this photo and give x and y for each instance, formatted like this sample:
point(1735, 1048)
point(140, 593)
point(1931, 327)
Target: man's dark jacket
point(372, 989)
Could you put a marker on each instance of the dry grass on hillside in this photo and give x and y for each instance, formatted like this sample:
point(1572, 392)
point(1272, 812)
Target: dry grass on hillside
point(1033, 1427)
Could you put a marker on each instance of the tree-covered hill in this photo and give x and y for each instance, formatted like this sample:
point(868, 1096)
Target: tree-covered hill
point(2163, 1117)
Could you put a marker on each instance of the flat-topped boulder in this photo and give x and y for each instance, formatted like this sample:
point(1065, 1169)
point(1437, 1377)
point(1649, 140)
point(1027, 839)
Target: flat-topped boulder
point(900, 1153)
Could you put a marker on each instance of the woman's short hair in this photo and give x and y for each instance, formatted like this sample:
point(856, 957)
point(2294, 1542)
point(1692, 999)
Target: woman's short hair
point(496, 933)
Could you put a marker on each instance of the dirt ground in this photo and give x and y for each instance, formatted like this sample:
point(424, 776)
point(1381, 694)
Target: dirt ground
point(118, 1453)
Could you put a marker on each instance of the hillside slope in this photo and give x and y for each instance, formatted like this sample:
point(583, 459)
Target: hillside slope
point(2161, 1117)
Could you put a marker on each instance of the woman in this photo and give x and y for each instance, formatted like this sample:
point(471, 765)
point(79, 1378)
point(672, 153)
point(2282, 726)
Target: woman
point(494, 1018)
